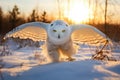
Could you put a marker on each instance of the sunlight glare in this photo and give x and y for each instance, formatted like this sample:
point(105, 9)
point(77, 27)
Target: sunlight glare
point(78, 12)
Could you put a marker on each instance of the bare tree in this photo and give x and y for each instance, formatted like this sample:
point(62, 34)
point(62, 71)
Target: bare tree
point(68, 7)
point(59, 9)
point(43, 17)
point(1, 19)
point(89, 10)
point(105, 17)
point(95, 11)
point(13, 16)
point(33, 17)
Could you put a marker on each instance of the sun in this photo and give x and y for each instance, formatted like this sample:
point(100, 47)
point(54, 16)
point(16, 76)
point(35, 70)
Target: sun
point(78, 12)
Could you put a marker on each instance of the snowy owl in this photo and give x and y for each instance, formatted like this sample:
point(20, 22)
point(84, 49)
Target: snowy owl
point(59, 36)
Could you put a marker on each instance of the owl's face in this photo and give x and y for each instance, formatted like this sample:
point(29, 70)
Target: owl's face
point(59, 32)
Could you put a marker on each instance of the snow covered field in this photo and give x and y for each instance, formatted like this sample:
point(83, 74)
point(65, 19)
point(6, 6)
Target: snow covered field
point(29, 63)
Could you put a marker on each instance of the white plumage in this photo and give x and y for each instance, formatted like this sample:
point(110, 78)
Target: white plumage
point(59, 36)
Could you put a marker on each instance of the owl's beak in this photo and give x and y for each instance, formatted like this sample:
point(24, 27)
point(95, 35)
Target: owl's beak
point(58, 36)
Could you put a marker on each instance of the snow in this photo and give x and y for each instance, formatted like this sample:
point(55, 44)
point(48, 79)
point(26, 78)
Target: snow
point(62, 71)
point(29, 63)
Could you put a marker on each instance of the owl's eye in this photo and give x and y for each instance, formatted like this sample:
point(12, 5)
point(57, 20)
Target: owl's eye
point(63, 30)
point(54, 30)
point(51, 25)
point(67, 25)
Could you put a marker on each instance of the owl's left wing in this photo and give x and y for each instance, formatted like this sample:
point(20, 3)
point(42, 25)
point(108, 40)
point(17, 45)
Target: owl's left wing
point(88, 34)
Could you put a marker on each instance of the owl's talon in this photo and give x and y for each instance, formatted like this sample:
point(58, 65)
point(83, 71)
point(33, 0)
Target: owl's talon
point(70, 59)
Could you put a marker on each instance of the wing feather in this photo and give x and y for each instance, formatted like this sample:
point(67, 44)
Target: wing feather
point(34, 30)
point(88, 34)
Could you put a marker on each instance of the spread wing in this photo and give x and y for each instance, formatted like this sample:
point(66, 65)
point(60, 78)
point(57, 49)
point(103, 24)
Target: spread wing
point(88, 34)
point(33, 30)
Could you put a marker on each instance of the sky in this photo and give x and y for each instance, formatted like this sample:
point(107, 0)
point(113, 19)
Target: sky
point(28, 5)
point(51, 6)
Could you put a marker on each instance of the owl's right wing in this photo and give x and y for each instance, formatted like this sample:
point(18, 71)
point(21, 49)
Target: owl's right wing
point(33, 30)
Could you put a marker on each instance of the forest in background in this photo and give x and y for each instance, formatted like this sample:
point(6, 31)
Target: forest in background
point(14, 17)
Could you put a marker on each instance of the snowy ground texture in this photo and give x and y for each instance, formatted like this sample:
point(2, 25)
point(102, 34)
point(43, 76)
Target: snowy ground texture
point(29, 63)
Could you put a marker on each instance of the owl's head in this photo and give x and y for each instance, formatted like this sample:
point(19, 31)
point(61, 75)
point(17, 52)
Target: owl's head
point(59, 32)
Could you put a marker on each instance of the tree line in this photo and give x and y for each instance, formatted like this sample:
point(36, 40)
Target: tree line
point(14, 17)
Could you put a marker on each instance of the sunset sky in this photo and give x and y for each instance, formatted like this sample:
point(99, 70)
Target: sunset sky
point(28, 5)
point(78, 10)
